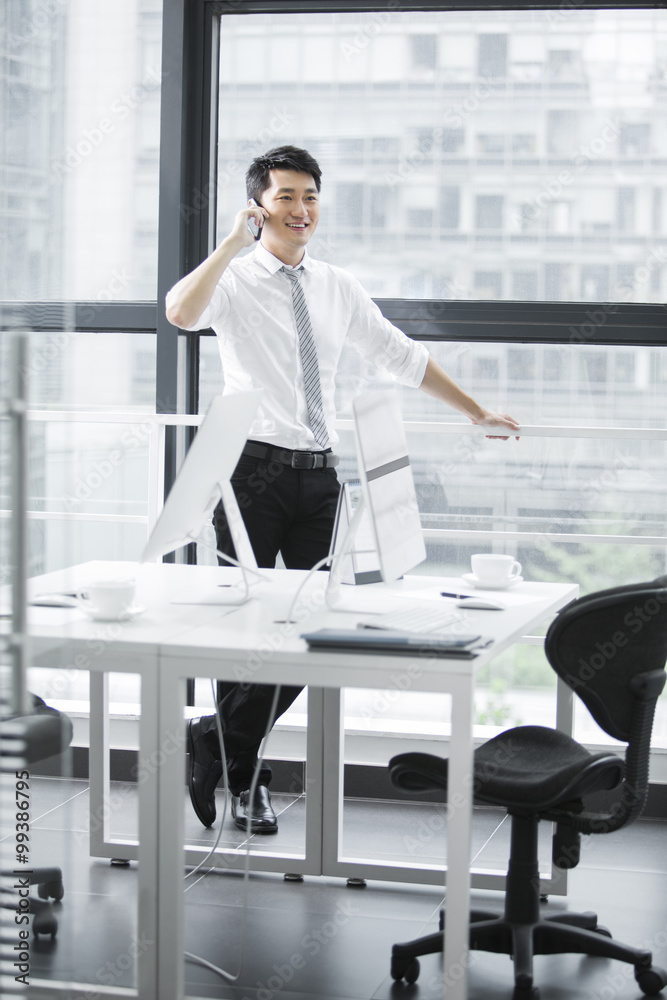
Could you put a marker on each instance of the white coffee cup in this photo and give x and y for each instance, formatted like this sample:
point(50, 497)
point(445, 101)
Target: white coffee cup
point(108, 600)
point(493, 570)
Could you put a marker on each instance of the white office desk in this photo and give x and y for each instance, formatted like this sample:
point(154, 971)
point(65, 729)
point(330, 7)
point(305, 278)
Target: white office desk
point(172, 642)
point(64, 640)
point(252, 645)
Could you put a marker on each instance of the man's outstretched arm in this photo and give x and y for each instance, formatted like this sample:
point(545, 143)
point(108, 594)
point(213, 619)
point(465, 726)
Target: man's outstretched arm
point(437, 383)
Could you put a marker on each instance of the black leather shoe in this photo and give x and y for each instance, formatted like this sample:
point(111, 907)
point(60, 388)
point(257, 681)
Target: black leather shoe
point(262, 817)
point(204, 773)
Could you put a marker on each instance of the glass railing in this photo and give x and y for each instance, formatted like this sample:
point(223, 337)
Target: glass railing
point(586, 504)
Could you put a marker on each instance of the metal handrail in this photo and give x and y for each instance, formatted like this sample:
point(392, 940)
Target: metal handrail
point(158, 422)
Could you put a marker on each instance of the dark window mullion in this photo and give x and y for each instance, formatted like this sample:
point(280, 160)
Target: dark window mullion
point(80, 316)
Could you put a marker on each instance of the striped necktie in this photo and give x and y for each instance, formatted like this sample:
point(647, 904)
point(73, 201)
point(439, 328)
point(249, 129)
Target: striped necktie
point(308, 352)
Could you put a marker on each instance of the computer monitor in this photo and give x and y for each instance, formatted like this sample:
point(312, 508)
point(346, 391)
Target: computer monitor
point(386, 477)
point(203, 480)
point(389, 498)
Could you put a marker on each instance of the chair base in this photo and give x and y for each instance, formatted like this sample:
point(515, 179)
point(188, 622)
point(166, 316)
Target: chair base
point(49, 882)
point(555, 935)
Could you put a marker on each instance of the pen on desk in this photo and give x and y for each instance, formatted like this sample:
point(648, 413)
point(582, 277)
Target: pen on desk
point(460, 597)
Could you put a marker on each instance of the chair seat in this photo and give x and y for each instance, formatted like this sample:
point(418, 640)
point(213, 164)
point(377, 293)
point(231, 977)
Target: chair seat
point(530, 768)
point(536, 768)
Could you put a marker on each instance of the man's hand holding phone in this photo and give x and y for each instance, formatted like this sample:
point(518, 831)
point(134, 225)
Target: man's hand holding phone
point(256, 219)
point(248, 225)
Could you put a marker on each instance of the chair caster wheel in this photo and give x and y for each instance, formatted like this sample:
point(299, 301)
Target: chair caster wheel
point(405, 968)
point(44, 923)
point(51, 890)
point(652, 980)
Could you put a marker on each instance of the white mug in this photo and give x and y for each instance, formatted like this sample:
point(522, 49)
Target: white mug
point(108, 600)
point(495, 570)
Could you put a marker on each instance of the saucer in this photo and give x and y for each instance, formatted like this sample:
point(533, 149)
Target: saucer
point(472, 579)
point(124, 616)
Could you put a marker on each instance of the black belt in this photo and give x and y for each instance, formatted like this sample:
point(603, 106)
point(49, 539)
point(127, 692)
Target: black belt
point(296, 459)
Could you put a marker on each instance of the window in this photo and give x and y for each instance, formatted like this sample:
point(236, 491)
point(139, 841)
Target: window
point(562, 132)
point(350, 205)
point(624, 368)
point(420, 218)
point(453, 140)
point(488, 284)
point(450, 207)
point(423, 51)
point(564, 64)
point(523, 144)
point(492, 55)
point(79, 152)
point(657, 210)
point(626, 209)
point(558, 282)
point(524, 285)
point(385, 150)
point(381, 207)
point(634, 138)
point(558, 217)
point(492, 144)
point(595, 283)
point(489, 211)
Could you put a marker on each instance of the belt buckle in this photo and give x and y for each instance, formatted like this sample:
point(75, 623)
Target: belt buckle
point(303, 460)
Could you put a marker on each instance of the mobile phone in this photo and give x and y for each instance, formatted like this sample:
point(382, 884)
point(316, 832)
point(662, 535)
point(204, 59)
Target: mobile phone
point(254, 227)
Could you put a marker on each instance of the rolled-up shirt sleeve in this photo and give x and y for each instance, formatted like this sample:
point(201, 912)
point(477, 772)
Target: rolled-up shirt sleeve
point(383, 344)
point(215, 311)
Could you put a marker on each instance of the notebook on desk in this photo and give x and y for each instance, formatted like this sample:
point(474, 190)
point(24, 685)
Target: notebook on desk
point(371, 641)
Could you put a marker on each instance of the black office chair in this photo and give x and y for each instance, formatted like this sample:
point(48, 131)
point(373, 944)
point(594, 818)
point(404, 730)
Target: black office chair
point(610, 648)
point(24, 740)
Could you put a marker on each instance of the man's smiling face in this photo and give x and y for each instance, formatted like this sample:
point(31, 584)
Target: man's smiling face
point(293, 205)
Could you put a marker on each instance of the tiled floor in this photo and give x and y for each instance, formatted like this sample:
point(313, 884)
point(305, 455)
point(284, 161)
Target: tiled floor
point(320, 938)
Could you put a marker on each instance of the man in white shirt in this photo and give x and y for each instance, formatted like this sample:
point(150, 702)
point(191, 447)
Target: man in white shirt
point(286, 341)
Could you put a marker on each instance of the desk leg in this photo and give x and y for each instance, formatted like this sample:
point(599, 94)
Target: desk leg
point(148, 764)
point(170, 834)
point(98, 764)
point(332, 780)
point(556, 884)
point(314, 784)
point(459, 811)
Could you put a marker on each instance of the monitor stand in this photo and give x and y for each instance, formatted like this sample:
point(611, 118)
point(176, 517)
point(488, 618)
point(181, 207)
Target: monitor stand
point(372, 598)
point(229, 594)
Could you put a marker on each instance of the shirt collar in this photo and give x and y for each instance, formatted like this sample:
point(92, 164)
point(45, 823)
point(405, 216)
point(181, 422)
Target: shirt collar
point(272, 264)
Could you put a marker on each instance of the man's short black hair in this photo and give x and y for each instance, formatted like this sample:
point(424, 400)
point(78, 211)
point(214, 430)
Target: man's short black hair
point(257, 178)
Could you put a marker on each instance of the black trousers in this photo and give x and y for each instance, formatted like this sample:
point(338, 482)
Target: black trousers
point(287, 511)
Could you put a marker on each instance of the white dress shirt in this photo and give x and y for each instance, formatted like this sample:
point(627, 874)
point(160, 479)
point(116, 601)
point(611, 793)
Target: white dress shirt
point(252, 315)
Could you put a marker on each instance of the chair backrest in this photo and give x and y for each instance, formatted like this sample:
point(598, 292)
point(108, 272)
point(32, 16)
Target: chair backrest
point(603, 646)
point(610, 648)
